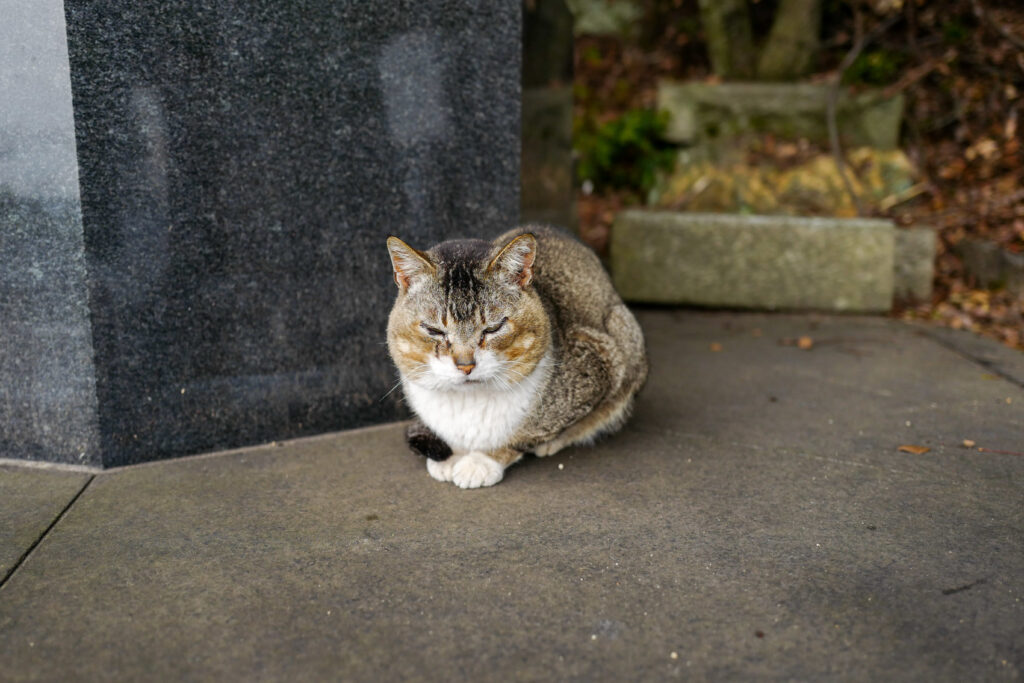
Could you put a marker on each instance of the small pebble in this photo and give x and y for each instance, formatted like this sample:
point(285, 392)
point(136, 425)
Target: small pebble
point(968, 443)
point(674, 655)
point(561, 466)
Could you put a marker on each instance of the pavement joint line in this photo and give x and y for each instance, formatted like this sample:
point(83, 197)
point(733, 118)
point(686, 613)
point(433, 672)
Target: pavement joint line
point(24, 556)
point(988, 365)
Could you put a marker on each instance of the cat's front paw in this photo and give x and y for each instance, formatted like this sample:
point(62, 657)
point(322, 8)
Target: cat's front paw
point(442, 469)
point(476, 469)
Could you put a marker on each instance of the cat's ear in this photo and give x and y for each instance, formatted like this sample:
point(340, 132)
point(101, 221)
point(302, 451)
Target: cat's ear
point(515, 261)
point(411, 266)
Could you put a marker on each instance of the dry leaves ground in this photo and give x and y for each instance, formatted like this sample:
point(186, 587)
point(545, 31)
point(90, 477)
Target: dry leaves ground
point(960, 64)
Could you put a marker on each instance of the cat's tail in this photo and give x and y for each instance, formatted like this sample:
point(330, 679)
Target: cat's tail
point(422, 441)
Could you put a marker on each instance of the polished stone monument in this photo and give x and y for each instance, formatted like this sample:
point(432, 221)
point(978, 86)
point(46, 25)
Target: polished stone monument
point(201, 265)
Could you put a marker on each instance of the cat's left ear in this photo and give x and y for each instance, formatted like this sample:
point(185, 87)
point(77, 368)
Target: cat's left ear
point(515, 260)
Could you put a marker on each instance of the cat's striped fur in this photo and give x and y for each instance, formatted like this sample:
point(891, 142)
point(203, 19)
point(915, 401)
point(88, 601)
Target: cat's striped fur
point(506, 347)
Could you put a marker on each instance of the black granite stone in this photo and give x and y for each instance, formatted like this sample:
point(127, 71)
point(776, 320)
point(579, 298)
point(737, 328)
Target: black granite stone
point(240, 165)
point(48, 405)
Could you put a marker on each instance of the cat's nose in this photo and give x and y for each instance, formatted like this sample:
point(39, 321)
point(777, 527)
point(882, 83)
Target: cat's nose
point(463, 358)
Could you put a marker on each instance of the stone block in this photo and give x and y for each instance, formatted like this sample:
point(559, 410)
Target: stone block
point(48, 405)
point(914, 264)
point(769, 262)
point(204, 265)
point(703, 112)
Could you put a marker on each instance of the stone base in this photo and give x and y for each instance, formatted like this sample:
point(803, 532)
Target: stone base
point(768, 262)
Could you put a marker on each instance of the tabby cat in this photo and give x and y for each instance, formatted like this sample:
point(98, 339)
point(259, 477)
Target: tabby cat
point(509, 347)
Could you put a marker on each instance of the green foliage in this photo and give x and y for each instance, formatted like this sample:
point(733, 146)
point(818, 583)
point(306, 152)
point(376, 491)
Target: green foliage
point(955, 32)
point(592, 56)
point(624, 153)
point(878, 67)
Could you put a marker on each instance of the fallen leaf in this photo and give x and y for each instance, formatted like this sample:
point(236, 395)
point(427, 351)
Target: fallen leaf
point(716, 347)
point(804, 343)
point(916, 450)
point(968, 443)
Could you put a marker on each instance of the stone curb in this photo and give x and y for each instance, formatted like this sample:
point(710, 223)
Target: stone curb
point(766, 262)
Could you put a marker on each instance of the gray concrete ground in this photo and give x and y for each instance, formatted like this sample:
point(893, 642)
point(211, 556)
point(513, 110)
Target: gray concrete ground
point(755, 519)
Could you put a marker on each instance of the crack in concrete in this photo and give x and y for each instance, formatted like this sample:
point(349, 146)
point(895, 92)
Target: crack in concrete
point(965, 587)
point(991, 366)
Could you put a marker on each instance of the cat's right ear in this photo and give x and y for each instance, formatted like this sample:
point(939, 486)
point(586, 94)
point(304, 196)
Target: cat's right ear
point(411, 266)
point(515, 260)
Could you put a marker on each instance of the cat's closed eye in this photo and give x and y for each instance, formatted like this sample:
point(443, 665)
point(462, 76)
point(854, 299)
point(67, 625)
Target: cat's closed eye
point(494, 328)
point(432, 331)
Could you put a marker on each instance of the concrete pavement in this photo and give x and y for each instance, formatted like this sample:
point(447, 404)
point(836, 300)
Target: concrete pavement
point(754, 519)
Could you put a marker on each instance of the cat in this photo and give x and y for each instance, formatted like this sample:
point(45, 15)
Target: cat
point(508, 347)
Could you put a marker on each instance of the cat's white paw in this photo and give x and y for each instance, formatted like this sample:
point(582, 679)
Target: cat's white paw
point(442, 469)
point(476, 469)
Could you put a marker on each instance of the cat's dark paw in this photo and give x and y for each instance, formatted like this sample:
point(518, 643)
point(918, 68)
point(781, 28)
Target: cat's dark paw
point(424, 442)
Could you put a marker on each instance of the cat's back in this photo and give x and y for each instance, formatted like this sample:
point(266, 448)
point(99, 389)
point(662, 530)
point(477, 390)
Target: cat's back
point(600, 359)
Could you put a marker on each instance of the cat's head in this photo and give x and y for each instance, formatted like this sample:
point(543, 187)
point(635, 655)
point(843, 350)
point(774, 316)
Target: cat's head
point(466, 315)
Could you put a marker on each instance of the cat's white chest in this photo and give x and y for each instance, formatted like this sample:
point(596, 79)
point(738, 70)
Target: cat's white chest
point(478, 418)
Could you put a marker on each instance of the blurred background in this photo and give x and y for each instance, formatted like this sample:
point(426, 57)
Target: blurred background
point(904, 110)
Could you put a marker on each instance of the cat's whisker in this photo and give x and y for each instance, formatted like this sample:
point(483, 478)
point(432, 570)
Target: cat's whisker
point(391, 390)
point(515, 372)
point(414, 375)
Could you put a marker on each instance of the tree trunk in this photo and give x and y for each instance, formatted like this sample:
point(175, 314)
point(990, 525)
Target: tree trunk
point(729, 38)
point(793, 42)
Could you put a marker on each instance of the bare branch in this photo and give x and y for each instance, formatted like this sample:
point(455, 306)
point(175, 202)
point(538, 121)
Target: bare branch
point(833, 102)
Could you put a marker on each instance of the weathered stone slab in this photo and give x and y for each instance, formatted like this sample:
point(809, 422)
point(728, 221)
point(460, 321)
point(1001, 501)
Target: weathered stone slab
point(914, 264)
point(706, 111)
point(772, 262)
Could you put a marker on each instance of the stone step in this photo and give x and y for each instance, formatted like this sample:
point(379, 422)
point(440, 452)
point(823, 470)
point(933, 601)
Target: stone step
point(762, 262)
point(703, 112)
